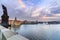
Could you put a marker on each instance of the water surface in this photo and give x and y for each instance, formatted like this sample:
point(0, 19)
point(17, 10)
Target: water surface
point(40, 31)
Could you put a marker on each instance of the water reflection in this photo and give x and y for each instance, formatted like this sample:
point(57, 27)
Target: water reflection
point(40, 31)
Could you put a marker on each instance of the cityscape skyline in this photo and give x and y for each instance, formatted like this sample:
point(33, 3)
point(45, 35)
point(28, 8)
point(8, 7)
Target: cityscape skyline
point(42, 10)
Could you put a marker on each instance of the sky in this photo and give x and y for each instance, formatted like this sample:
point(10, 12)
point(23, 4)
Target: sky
point(41, 10)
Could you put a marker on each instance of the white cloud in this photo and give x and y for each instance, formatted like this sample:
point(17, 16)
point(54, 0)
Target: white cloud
point(56, 15)
point(35, 14)
point(40, 11)
point(21, 3)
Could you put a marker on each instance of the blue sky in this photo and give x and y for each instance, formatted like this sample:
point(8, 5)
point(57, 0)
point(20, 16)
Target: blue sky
point(42, 10)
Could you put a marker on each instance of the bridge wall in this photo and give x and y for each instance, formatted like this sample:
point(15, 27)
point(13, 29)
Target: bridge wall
point(6, 34)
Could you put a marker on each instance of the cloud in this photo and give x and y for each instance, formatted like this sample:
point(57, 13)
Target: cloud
point(56, 15)
point(33, 10)
point(52, 18)
point(55, 10)
point(21, 3)
point(35, 14)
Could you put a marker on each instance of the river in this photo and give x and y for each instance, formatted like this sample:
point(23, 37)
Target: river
point(40, 31)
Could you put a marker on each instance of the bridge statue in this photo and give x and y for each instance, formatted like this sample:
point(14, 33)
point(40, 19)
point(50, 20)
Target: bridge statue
point(5, 17)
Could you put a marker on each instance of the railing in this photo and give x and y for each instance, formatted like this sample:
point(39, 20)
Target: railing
point(6, 34)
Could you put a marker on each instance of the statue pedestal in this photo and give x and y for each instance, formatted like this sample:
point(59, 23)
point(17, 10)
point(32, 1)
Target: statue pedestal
point(5, 25)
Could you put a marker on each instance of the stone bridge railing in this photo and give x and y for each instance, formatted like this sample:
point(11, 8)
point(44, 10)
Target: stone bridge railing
point(6, 34)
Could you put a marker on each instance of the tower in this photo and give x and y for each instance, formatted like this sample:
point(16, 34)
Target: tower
point(4, 17)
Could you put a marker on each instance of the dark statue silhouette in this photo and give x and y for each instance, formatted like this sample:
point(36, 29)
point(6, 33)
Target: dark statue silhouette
point(5, 17)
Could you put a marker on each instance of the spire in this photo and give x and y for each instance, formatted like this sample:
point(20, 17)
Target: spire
point(15, 18)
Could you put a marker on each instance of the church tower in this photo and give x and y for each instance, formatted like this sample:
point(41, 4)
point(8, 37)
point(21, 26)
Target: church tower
point(4, 17)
